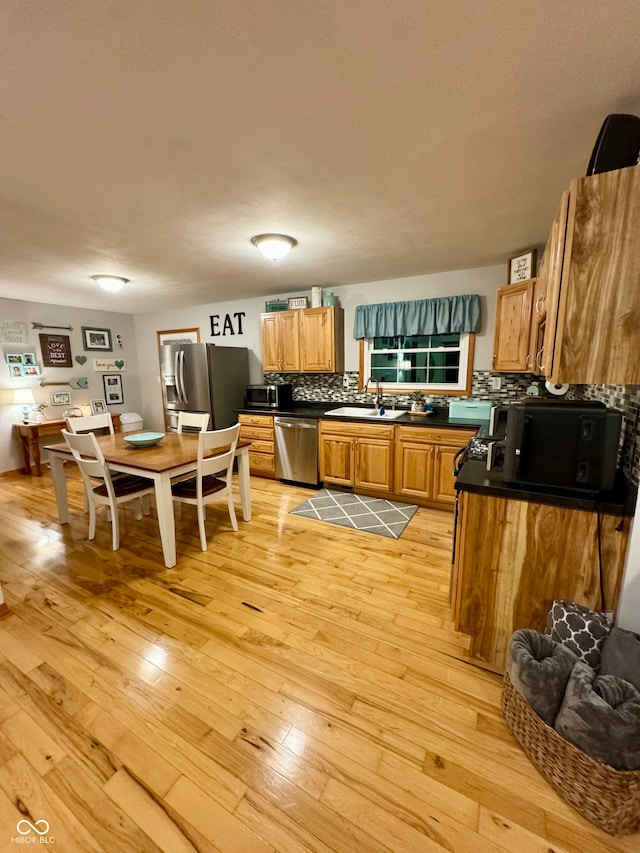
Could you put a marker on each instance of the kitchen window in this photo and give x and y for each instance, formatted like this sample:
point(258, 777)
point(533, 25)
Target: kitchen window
point(419, 345)
point(430, 363)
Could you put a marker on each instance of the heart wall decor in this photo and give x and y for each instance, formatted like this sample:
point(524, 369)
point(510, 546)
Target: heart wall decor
point(119, 363)
point(81, 359)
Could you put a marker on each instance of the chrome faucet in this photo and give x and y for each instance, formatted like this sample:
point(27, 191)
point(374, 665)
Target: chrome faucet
point(378, 400)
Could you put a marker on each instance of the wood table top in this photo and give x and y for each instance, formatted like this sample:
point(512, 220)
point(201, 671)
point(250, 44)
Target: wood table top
point(173, 451)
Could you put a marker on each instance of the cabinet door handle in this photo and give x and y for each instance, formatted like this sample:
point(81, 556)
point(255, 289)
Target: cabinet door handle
point(539, 360)
point(528, 361)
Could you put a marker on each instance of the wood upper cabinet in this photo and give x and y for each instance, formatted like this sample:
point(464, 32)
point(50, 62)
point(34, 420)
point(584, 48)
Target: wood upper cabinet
point(509, 569)
point(307, 340)
point(511, 350)
point(424, 462)
point(593, 314)
point(280, 342)
point(355, 454)
point(322, 340)
point(546, 293)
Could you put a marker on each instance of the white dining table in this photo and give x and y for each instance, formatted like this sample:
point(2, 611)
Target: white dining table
point(175, 455)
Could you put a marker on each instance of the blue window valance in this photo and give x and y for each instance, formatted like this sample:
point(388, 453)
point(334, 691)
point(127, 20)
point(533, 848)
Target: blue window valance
point(439, 316)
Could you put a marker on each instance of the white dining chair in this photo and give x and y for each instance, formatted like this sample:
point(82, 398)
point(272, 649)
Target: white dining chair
point(109, 492)
point(91, 423)
point(193, 421)
point(216, 451)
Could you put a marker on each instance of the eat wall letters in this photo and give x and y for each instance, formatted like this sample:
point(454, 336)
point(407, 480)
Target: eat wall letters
point(227, 324)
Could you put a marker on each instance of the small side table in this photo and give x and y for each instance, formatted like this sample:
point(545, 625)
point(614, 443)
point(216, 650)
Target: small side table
point(29, 435)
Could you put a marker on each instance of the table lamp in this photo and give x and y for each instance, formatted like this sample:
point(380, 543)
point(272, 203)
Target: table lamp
point(24, 397)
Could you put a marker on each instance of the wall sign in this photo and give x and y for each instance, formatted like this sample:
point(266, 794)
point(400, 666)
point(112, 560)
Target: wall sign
point(56, 350)
point(522, 267)
point(13, 332)
point(100, 364)
point(227, 324)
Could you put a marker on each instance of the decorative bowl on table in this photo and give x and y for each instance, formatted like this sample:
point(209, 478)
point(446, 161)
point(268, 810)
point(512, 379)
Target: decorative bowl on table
point(144, 439)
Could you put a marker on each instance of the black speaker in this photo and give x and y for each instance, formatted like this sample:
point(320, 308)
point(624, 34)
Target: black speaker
point(617, 145)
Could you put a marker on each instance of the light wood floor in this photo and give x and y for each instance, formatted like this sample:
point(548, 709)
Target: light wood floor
point(295, 688)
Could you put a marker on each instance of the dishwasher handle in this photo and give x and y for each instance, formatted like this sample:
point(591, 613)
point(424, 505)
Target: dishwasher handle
point(289, 425)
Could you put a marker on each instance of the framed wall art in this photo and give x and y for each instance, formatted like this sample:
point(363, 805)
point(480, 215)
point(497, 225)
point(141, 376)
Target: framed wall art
point(522, 267)
point(178, 336)
point(297, 302)
point(60, 398)
point(96, 339)
point(113, 392)
point(56, 350)
point(14, 358)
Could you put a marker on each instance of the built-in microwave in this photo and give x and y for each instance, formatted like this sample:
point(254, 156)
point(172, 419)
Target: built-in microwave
point(269, 396)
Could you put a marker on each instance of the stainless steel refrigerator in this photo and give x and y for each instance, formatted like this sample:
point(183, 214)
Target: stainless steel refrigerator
point(203, 378)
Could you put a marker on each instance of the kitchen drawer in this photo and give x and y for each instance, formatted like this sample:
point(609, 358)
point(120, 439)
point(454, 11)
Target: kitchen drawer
point(257, 432)
point(260, 446)
point(262, 462)
point(434, 435)
point(256, 420)
point(358, 429)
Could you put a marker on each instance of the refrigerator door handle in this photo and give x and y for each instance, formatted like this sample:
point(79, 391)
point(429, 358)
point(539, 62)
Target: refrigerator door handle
point(183, 380)
point(179, 368)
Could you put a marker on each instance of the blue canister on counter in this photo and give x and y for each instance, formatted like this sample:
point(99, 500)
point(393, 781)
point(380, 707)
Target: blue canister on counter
point(329, 299)
point(428, 405)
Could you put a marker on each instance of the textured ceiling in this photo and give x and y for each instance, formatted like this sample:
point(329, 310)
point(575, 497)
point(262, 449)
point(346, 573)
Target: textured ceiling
point(154, 138)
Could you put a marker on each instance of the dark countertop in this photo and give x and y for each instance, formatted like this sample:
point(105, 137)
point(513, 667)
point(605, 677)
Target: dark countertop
point(439, 418)
point(474, 477)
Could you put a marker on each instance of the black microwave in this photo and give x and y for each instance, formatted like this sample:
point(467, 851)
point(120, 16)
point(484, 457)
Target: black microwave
point(566, 445)
point(269, 396)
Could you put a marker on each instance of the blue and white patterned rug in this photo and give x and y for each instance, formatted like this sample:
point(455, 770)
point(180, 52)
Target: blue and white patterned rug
point(371, 515)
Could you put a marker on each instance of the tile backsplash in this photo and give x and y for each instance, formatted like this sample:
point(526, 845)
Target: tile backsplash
point(328, 387)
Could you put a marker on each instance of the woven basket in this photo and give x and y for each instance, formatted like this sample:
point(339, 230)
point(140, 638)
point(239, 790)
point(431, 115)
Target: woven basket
point(607, 797)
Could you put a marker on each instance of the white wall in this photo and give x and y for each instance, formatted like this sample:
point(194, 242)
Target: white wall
point(58, 315)
point(628, 615)
point(484, 281)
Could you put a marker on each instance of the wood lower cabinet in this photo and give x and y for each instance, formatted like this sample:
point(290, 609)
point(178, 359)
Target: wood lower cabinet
point(309, 340)
point(514, 557)
point(407, 462)
point(424, 462)
point(258, 429)
point(353, 454)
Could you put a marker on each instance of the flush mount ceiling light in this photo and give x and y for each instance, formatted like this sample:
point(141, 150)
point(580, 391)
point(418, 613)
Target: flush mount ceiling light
point(112, 283)
point(274, 246)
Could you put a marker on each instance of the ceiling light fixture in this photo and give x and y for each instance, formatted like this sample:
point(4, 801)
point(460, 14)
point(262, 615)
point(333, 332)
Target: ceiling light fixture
point(274, 246)
point(112, 283)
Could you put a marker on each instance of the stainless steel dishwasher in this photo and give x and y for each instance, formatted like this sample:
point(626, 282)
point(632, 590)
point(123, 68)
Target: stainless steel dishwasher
point(297, 449)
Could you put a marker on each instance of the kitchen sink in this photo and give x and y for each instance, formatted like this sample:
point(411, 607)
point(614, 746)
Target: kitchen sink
point(355, 412)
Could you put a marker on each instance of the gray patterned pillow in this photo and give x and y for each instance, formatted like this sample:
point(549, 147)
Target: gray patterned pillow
point(581, 630)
